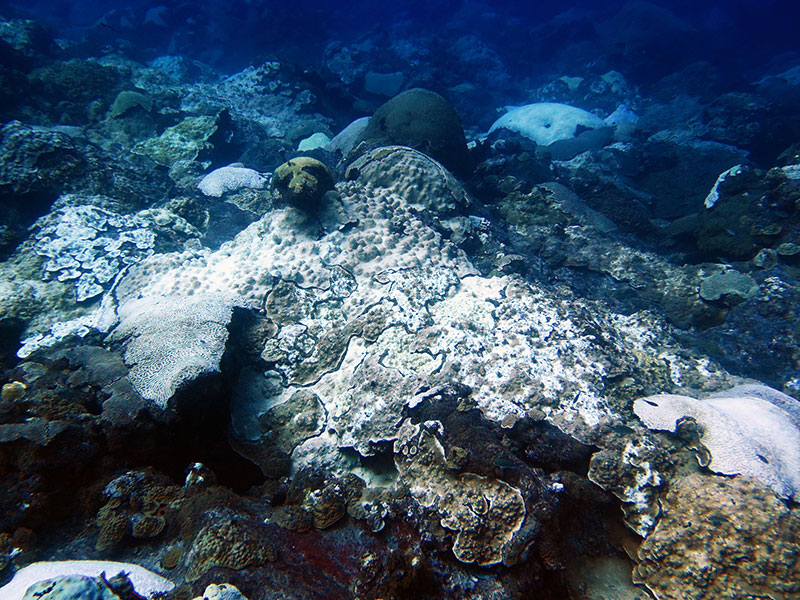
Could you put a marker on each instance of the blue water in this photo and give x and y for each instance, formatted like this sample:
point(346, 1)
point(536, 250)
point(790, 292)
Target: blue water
point(736, 35)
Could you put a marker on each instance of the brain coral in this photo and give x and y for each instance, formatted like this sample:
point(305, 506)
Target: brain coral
point(744, 433)
point(230, 178)
point(171, 340)
point(722, 539)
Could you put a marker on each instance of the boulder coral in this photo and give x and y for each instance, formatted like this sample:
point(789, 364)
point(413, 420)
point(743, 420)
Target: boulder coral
point(228, 541)
point(302, 182)
point(423, 120)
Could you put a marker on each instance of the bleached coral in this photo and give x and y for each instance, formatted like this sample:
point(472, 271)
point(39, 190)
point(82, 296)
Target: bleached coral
point(547, 122)
point(89, 246)
point(745, 433)
point(230, 179)
point(172, 340)
point(713, 195)
point(144, 582)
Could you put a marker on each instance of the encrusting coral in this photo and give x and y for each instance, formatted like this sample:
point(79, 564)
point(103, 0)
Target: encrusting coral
point(485, 513)
point(721, 539)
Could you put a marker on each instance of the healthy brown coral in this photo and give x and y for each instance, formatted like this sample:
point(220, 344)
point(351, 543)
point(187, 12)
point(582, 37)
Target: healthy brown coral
point(722, 539)
point(227, 541)
point(137, 505)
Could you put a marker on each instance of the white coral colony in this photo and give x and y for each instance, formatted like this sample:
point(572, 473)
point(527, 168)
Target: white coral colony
point(230, 179)
point(749, 430)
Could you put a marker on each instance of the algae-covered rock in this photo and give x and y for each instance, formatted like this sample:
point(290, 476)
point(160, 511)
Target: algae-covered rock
point(128, 100)
point(181, 142)
point(632, 468)
point(423, 120)
point(78, 81)
point(39, 160)
point(312, 142)
point(602, 578)
point(728, 283)
point(303, 182)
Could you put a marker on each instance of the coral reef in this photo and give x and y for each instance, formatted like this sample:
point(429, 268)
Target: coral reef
point(482, 344)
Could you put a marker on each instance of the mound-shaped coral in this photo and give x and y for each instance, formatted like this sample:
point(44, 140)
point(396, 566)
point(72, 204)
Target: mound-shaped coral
point(423, 120)
point(228, 541)
point(302, 182)
point(548, 123)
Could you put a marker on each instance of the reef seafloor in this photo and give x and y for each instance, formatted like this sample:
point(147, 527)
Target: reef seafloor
point(356, 331)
